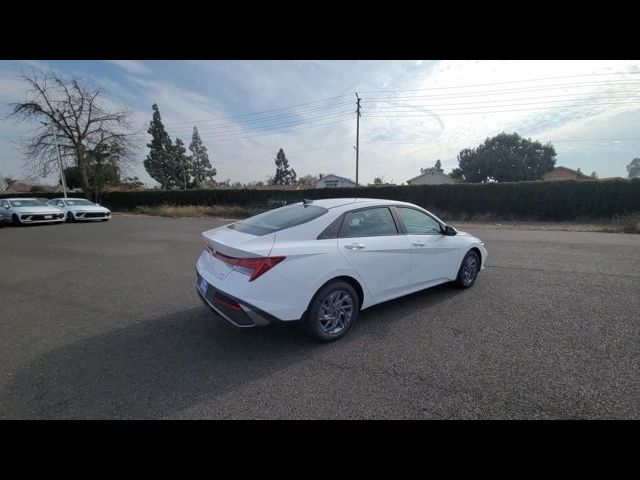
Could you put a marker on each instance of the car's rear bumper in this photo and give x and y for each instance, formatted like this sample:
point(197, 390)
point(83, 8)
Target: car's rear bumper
point(280, 296)
point(235, 311)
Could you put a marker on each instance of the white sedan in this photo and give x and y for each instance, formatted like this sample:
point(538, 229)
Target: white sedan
point(77, 209)
point(322, 261)
point(22, 211)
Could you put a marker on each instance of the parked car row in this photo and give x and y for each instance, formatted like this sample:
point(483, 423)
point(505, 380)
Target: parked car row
point(22, 211)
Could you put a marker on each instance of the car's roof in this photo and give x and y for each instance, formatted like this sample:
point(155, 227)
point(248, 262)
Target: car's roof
point(71, 198)
point(19, 199)
point(340, 202)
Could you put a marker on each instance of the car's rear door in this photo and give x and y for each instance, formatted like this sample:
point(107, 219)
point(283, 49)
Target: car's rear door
point(434, 255)
point(370, 241)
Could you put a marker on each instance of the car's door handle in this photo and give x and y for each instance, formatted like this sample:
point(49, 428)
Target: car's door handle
point(355, 246)
point(418, 244)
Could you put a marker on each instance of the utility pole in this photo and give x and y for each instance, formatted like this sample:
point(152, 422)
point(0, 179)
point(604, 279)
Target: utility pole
point(357, 136)
point(55, 138)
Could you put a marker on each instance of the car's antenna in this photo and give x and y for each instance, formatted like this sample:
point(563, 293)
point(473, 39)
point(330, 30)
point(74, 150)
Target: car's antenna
point(306, 201)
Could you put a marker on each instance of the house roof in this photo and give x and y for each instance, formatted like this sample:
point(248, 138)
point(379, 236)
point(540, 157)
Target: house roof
point(273, 187)
point(336, 176)
point(573, 172)
point(18, 187)
point(429, 171)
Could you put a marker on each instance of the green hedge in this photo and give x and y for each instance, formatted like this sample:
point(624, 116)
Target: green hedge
point(559, 200)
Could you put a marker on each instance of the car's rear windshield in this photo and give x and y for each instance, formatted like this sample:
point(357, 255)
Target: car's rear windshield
point(78, 201)
point(27, 203)
point(279, 219)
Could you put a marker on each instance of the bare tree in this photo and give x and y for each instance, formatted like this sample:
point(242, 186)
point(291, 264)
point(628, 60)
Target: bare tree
point(83, 124)
point(6, 182)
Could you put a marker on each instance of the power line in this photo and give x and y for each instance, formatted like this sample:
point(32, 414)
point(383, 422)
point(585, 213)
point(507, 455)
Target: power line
point(321, 148)
point(501, 83)
point(279, 133)
point(280, 125)
point(263, 119)
point(508, 105)
point(283, 122)
point(504, 91)
point(258, 113)
point(431, 105)
point(498, 111)
point(597, 140)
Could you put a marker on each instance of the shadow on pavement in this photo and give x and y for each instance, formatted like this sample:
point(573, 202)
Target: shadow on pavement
point(157, 367)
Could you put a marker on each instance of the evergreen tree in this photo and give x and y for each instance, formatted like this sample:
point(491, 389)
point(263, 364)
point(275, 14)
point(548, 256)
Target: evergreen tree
point(284, 175)
point(200, 166)
point(159, 163)
point(438, 166)
point(182, 168)
point(633, 169)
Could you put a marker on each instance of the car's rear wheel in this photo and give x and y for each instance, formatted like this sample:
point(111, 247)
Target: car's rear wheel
point(16, 220)
point(469, 270)
point(70, 217)
point(332, 312)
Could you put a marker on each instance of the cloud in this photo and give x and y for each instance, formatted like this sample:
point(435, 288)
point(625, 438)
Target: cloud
point(135, 67)
point(434, 118)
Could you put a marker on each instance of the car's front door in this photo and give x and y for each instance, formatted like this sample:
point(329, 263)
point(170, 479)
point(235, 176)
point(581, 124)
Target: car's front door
point(370, 241)
point(434, 255)
point(4, 211)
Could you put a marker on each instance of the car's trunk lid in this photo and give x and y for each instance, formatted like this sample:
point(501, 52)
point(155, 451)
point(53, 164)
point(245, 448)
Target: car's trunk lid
point(232, 243)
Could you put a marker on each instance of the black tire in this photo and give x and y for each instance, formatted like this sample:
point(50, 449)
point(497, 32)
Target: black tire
point(469, 270)
point(318, 328)
point(16, 220)
point(70, 217)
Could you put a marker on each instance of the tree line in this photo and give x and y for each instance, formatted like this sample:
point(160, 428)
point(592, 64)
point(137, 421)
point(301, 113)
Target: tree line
point(168, 163)
point(97, 142)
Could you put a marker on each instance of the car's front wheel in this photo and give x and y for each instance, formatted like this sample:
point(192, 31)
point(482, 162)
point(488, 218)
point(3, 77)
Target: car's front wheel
point(332, 312)
point(70, 217)
point(468, 270)
point(16, 220)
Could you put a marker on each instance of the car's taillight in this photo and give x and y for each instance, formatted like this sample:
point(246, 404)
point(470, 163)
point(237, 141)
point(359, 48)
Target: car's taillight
point(251, 266)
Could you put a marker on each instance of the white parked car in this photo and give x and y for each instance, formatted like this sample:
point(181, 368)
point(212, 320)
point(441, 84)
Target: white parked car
point(323, 261)
point(21, 211)
point(76, 209)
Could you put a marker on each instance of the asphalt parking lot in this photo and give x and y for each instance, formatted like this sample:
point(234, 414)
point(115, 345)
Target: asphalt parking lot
point(101, 320)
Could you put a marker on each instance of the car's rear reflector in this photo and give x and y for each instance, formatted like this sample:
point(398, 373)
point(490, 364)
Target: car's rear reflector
point(255, 266)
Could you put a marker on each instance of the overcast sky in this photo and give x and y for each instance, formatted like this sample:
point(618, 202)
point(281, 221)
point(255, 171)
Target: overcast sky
point(413, 112)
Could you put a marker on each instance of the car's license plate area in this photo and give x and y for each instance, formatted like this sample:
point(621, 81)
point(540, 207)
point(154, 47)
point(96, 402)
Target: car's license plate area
point(47, 217)
point(203, 285)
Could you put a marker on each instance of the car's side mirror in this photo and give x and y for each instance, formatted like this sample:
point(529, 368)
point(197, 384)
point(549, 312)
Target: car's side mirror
point(449, 231)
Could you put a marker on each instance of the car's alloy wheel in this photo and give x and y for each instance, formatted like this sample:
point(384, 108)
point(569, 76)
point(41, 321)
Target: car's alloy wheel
point(468, 270)
point(70, 217)
point(333, 311)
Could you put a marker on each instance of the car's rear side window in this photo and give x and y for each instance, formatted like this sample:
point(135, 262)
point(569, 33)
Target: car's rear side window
point(279, 219)
point(368, 222)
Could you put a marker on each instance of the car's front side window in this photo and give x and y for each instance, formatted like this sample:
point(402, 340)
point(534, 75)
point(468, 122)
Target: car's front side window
point(368, 222)
point(418, 223)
